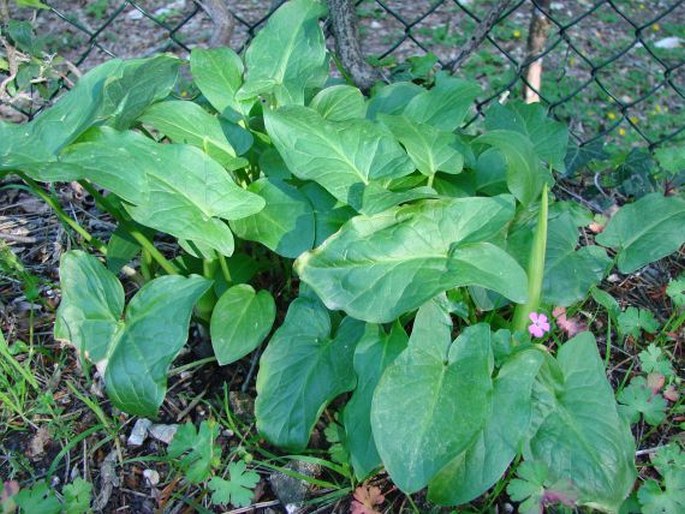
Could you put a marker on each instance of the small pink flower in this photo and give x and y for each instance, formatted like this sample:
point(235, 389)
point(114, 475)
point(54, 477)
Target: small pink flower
point(539, 325)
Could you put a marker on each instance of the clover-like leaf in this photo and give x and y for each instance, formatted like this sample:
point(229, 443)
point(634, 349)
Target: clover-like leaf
point(196, 450)
point(638, 399)
point(633, 321)
point(238, 490)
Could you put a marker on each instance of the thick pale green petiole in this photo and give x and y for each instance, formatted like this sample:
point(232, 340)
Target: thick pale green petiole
point(536, 267)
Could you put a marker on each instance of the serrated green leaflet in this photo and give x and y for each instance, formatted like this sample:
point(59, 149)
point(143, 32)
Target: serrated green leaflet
point(127, 349)
point(645, 231)
point(376, 268)
point(445, 401)
point(304, 367)
point(241, 319)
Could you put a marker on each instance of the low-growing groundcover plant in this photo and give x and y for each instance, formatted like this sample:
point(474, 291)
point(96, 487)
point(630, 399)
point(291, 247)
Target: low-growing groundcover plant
point(426, 257)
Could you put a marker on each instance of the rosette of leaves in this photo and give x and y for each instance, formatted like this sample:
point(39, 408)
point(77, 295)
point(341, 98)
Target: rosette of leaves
point(385, 209)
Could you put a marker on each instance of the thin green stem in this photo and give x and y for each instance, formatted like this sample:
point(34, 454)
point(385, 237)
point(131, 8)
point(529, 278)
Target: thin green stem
point(62, 215)
point(136, 234)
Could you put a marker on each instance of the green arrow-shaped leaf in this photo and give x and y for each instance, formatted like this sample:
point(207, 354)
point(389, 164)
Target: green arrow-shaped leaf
point(483, 463)
point(645, 231)
point(581, 435)
point(241, 319)
point(374, 353)
point(133, 353)
point(286, 225)
point(376, 268)
point(354, 160)
point(288, 56)
point(445, 400)
point(303, 368)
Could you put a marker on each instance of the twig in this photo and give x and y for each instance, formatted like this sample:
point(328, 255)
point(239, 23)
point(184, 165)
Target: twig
point(251, 508)
point(479, 35)
point(223, 20)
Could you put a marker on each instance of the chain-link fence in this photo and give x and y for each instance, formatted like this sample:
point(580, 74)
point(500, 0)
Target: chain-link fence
point(612, 69)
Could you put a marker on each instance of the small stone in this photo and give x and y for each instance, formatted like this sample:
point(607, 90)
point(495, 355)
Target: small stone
point(669, 43)
point(151, 476)
point(375, 25)
point(135, 14)
point(163, 433)
point(139, 432)
point(291, 491)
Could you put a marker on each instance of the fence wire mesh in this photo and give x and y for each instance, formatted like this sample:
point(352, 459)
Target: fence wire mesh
point(612, 69)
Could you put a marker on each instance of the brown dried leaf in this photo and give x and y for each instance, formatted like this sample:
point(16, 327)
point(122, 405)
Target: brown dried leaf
point(365, 500)
point(38, 443)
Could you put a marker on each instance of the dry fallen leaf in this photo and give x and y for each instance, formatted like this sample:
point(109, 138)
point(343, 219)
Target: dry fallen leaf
point(38, 443)
point(365, 500)
point(570, 327)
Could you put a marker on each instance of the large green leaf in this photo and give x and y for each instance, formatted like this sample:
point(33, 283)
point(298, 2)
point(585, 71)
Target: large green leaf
point(303, 368)
point(218, 73)
point(445, 106)
point(187, 122)
point(392, 98)
point(285, 225)
point(353, 160)
point(376, 268)
point(113, 92)
point(581, 436)
point(474, 471)
point(241, 319)
point(173, 188)
point(430, 404)
point(134, 353)
point(340, 103)
point(645, 231)
point(549, 137)
point(430, 149)
point(375, 352)
point(288, 56)
point(525, 175)
point(329, 213)
point(570, 273)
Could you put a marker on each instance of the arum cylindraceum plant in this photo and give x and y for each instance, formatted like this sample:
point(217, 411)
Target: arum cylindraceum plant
point(394, 217)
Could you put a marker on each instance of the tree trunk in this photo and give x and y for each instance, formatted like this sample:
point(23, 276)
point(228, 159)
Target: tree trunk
point(344, 26)
point(537, 39)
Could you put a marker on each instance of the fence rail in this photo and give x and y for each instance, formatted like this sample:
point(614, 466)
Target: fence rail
point(614, 70)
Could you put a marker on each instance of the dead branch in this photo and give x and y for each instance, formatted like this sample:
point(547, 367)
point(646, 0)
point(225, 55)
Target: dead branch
point(479, 35)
